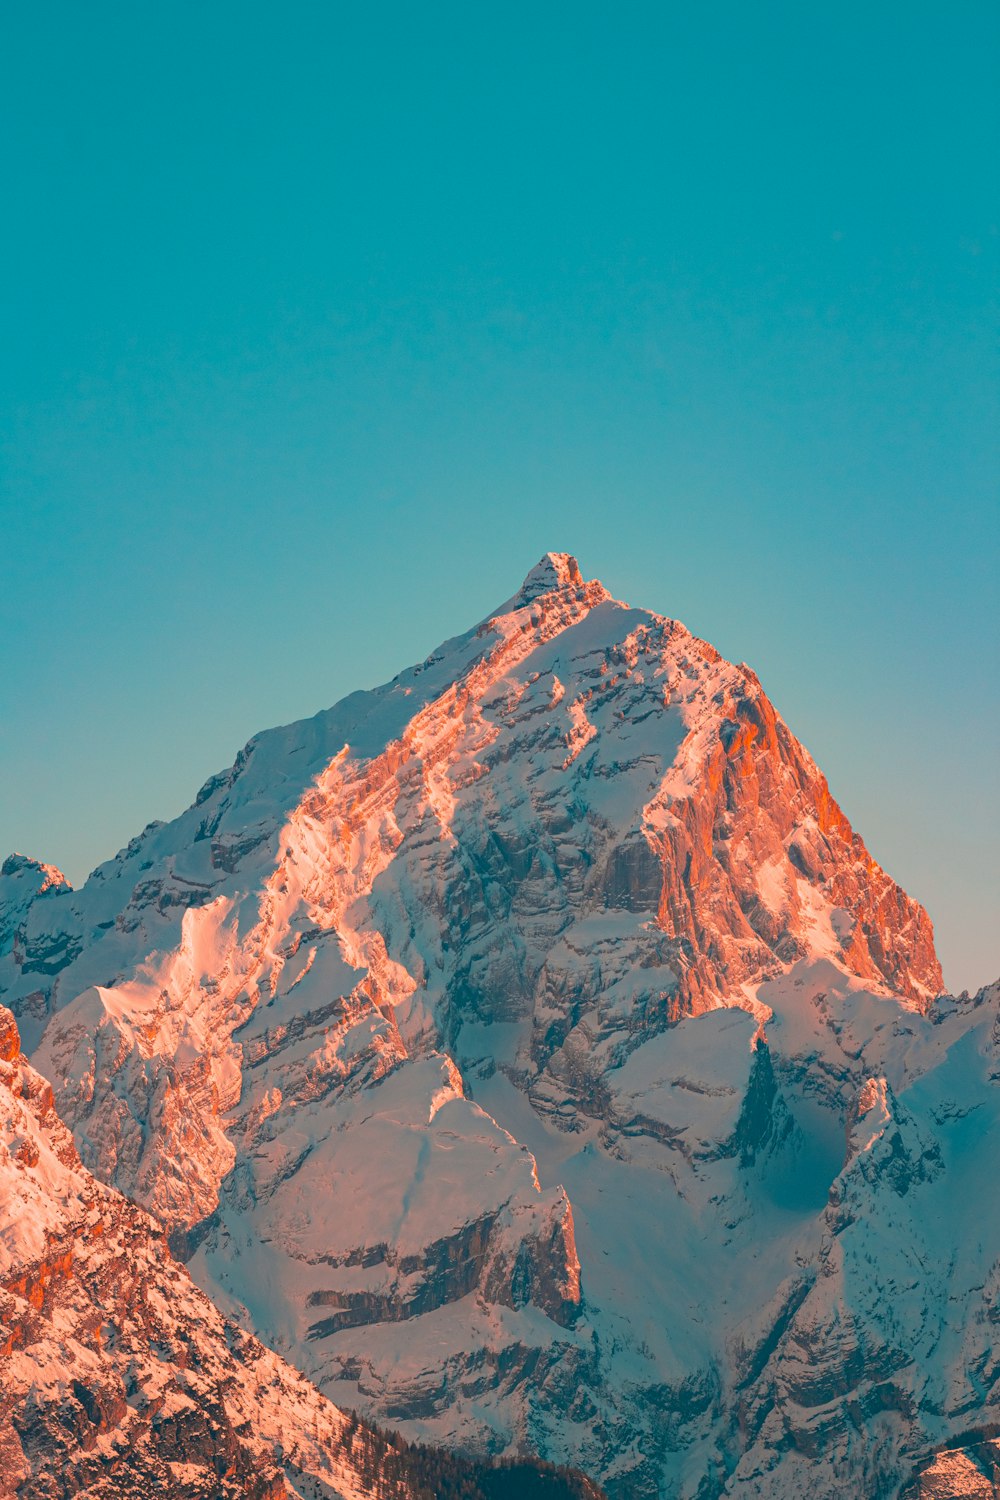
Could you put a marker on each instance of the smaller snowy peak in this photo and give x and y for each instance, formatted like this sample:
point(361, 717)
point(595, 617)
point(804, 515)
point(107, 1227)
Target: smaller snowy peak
point(22, 881)
point(32, 872)
point(556, 570)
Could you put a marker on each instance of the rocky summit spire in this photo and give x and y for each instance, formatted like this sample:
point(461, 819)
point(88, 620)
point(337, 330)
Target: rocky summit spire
point(556, 570)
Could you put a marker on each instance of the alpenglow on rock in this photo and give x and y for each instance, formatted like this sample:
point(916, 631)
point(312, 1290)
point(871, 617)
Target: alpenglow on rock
point(118, 1378)
point(532, 1052)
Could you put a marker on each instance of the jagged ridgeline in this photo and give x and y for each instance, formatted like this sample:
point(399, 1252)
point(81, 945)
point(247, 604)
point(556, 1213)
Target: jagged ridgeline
point(533, 1054)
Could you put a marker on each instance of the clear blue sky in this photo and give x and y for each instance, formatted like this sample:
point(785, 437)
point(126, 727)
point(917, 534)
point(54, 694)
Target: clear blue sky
point(322, 323)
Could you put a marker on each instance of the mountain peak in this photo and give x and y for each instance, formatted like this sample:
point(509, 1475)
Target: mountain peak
point(487, 949)
point(47, 877)
point(556, 570)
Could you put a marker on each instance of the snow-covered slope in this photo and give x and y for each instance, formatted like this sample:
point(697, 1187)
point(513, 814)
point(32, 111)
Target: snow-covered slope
point(490, 1043)
point(117, 1376)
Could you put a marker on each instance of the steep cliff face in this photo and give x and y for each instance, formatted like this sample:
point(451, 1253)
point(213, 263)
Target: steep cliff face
point(492, 1043)
point(117, 1376)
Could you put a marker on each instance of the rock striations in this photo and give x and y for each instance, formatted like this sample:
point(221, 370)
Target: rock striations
point(533, 1053)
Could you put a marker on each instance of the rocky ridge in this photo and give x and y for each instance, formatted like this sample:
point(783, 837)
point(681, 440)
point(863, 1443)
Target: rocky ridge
point(117, 1376)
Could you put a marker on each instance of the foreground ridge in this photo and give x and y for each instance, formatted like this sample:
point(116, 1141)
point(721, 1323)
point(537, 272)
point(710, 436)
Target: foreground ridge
point(117, 1376)
point(469, 1037)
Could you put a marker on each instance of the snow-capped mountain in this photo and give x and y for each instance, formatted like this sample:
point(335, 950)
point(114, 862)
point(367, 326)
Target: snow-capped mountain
point(533, 1053)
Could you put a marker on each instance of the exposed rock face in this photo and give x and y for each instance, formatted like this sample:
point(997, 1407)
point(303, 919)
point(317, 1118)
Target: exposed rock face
point(534, 1053)
point(969, 1473)
point(745, 850)
point(117, 1376)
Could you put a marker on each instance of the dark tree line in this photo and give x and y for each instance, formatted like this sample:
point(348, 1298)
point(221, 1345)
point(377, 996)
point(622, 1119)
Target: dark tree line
point(386, 1462)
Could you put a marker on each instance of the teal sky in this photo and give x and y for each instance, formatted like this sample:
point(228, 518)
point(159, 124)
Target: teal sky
point(322, 323)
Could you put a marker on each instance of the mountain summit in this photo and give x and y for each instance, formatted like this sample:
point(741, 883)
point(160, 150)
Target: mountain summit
point(498, 1046)
point(556, 570)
